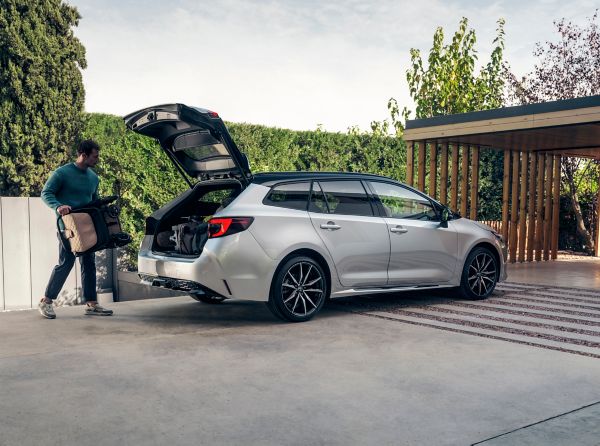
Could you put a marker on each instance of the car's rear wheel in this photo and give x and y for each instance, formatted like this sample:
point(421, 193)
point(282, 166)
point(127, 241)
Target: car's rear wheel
point(479, 275)
point(299, 290)
point(207, 299)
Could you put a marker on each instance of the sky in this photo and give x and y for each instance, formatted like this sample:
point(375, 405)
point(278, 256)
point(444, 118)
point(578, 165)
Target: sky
point(286, 63)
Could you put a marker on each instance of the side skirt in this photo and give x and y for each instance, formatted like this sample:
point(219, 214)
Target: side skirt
point(359, 291)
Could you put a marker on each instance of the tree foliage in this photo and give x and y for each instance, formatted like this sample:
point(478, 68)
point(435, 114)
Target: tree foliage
point(136, 168)
point(41, 91)
point(448, 83)
point(567, 68)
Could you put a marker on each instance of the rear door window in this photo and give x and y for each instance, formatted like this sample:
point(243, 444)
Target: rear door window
point(317, 200)
point(346, 198)
point(290, 195)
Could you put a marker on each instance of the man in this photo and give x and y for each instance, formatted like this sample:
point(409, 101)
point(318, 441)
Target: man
point(72, 185)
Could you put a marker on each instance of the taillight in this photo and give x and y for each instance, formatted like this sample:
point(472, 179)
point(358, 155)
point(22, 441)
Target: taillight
point(220, 227)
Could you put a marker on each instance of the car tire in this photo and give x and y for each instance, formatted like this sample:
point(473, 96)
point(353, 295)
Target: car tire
point(290, 299)
point(207, 299)
point(479, 275)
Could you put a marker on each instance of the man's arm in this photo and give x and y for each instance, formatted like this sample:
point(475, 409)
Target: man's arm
point(49, 192)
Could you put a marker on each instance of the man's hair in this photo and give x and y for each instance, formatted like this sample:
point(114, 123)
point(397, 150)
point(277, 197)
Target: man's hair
point(87, 146)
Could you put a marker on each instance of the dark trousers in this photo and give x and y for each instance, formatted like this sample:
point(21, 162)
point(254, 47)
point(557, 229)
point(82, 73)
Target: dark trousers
point(66, 260)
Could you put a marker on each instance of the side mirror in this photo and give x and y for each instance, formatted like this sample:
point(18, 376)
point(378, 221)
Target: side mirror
point(444, 217)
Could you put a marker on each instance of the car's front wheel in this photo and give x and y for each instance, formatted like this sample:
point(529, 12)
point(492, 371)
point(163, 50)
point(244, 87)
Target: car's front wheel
point(479, 275)
point(299, 290)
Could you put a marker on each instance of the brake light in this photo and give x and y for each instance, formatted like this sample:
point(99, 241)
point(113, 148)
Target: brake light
point(220, 227)
point(213, 114)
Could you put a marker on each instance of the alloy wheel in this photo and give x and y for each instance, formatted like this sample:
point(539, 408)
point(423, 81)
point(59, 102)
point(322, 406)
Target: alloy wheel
point(482, 274)
point(302, 289)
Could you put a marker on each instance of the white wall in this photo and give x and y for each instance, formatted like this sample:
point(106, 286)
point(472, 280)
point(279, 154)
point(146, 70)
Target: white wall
point(29, 251)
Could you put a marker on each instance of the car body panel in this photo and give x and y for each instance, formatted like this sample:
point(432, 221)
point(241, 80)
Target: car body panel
point(360, 248)
point(425, 254)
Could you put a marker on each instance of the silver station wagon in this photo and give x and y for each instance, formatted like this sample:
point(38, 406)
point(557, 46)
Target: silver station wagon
point(296, 239)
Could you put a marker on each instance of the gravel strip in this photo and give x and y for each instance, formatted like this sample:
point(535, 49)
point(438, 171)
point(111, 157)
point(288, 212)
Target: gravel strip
point(513, 321)
point(548, 302)
point(482, 335)
point(567, 289)
point(537, 307)
point(562, 297)
point(500, 328)
point(528, 313)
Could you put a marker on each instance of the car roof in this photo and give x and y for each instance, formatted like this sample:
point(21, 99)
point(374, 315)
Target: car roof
point(270, 178)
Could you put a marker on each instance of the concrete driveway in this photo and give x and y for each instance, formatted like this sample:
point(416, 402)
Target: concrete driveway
point(174, 371)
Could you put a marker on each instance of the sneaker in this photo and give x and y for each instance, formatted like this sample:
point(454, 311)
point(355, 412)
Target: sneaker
point(97, 310)
point(46, 310)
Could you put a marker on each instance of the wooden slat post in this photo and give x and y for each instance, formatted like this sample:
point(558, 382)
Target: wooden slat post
point(548, 208)
point(514, 208)
point(598, 221)
point(454, 179)
point(505, 194)
point(474, 181)
point(555, 206)
point(523, 207)
point(410, 163)
point(539, 209)
point(531, 206)
point(421, 166)
point(433, 169)
point(444, 174)
point(464, 181)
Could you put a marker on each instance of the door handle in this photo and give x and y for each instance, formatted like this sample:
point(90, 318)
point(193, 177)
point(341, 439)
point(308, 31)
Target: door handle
point(331, 226)
point(398, 230)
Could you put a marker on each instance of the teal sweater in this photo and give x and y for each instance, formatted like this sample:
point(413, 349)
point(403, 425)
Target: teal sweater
point(70, 185)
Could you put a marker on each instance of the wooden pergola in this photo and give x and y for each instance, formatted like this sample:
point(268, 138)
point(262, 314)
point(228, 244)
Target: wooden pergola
point(534, 138)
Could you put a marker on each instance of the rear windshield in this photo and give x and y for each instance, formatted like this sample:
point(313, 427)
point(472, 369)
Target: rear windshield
point(199, 145)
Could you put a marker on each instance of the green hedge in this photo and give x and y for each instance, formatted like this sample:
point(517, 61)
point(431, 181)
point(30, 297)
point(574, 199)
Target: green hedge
point(135, 167)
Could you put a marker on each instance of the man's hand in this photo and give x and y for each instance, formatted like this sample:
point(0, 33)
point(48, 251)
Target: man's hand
point(64, 209)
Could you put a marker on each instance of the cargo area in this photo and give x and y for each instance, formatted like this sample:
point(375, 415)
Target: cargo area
point(180, 228)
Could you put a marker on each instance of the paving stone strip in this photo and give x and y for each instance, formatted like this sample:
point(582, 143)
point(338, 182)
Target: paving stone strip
point(549, 302)
point(566, 289)
point(498, 302)
point(502, 328)
point(570, 329)
point(525, 341)
point(547, 315)
point(556, 318)
point(560, 297)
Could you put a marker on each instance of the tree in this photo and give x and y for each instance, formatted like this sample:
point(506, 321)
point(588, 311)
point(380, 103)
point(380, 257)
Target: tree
point(567, 68)
point(448, 84)
point(41, 91)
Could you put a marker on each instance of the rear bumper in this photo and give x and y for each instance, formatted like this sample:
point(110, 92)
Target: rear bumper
point(233, 267)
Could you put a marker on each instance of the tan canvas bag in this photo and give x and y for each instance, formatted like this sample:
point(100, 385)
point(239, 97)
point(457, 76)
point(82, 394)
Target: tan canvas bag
point(80, 231)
